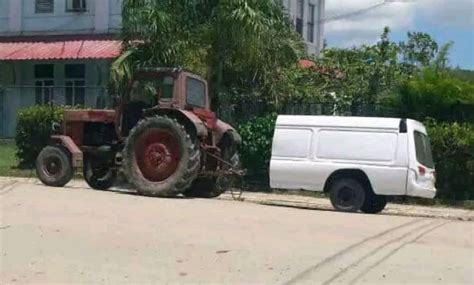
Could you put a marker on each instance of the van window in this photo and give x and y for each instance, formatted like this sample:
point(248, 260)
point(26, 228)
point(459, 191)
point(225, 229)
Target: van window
point(292, 143)
point(357, 145)
point(423, 150)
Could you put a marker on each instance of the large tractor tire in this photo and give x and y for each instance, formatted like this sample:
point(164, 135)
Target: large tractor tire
point(212, 187)
point(159, 157)
point(54, 166)
point(98, 174)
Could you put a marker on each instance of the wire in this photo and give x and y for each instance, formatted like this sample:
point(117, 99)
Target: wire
point(359, 12)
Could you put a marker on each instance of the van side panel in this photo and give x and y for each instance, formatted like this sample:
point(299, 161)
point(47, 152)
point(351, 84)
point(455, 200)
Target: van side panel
point(290, 166)
point(305, 157)
point(357, 145)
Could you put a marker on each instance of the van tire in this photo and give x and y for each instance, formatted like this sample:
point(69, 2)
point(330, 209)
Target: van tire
point(347, 195)
point(374, 204)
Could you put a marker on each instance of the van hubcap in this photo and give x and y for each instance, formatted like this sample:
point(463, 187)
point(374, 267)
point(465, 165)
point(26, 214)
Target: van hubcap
point(346, 197)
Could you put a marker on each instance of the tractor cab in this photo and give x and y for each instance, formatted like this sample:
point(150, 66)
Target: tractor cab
point(163, 88)
point(169, 87)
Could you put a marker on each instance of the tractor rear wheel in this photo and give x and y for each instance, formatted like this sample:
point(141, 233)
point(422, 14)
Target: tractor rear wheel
point(212, 187)
point(54, 166)
point(159, 157)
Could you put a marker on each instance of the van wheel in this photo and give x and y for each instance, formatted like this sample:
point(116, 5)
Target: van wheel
point(347, 195)
point(374, 204)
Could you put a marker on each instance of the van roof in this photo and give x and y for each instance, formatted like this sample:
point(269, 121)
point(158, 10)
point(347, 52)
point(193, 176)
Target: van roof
point(338, 121)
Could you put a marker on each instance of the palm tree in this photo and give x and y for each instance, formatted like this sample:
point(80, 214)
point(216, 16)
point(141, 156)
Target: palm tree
point(233, 43)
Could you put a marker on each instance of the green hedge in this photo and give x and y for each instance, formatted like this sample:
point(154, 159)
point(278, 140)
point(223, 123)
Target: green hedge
point(453, 151)
point(33, 131)
point(452, 143)
point(256, 146)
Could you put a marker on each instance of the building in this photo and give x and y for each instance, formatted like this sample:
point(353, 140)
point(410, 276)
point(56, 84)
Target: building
point(55, 52)
point(307, 16)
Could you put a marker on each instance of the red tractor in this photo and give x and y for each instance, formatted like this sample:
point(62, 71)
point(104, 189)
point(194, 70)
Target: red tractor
point(162, 134)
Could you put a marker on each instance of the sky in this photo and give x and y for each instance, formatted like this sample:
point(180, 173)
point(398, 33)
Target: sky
point(444, 20)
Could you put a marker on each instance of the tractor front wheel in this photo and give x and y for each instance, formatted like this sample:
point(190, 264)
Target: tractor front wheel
point(159, 157)
point(54, 166)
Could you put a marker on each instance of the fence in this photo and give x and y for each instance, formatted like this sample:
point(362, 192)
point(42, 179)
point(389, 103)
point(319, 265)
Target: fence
point(14, 98)
point(244, 111)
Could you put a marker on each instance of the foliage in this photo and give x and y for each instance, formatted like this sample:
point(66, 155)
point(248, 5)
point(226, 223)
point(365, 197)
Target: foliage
point(436, 94)
point(371, 72)
point(420, 48)
point(233, 43)
point(257, 143)
point(33, 131)
point(9, 162)
point(463, 74)
point(453, 150)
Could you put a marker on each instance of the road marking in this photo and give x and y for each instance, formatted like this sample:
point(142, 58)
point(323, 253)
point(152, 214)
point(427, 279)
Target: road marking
point(359, 245)
point(375, 251)
point(392, 252)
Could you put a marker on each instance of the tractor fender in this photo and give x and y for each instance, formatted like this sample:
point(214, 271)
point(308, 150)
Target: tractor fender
point(221, 129)
point(70, 145)
point(190, 121)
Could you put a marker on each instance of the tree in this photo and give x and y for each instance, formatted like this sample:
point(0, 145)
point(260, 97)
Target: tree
point(372, 71)
point(420, 48)
point(236, 44)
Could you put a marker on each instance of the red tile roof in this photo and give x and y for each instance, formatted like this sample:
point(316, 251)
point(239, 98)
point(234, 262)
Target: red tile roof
point(306, 63)
point(47, 49)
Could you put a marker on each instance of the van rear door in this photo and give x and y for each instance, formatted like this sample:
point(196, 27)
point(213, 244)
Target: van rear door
point(421, 177)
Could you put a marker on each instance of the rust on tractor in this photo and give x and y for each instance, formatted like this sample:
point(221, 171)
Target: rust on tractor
point(68, 143)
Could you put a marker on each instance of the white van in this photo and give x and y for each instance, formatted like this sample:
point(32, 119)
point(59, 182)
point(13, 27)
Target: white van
point(358, 161)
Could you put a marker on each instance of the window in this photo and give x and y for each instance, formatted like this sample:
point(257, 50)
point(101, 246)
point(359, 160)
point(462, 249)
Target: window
point(423, 150)
point(310, 35)
point(44, 82)
point(195, 92)
point(75, 90)
point(167, 87)
point(44, 6)
point(76, 5)
point(299, 16)
point(148, 89)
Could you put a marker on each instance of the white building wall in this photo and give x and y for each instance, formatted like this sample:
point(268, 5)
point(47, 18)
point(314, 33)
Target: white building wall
point(291, 6)
point(18, 17)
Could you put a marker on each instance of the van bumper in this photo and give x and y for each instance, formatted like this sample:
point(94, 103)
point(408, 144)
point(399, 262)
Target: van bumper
point(425, 190)
point(429, 193)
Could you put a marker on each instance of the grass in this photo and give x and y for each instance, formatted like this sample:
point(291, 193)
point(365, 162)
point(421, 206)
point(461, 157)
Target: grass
point(9, 162)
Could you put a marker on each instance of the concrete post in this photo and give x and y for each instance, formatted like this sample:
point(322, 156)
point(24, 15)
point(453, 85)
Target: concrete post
point(15, 16)
point(102, 16)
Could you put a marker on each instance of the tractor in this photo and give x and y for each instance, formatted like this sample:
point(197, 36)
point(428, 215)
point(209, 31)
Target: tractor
point(162, 135)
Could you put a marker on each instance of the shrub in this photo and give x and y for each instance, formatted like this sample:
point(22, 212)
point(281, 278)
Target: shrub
point(256, 146)
point(453, 151)
point(33, 131)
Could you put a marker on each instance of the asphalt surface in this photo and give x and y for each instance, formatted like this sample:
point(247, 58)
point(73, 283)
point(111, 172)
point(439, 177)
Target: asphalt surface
point(77, 235)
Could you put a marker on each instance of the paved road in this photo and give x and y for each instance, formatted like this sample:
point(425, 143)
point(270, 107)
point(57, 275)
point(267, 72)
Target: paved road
point(76, 235)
